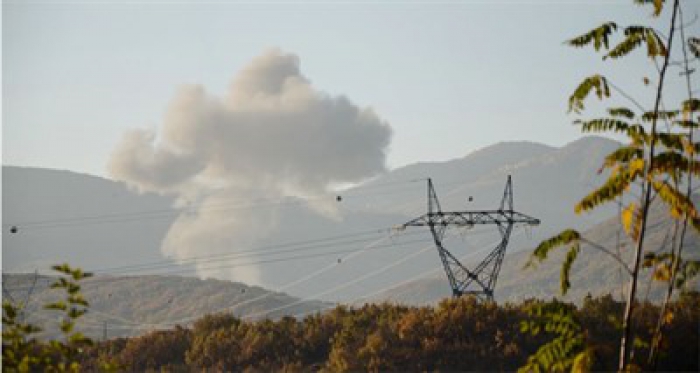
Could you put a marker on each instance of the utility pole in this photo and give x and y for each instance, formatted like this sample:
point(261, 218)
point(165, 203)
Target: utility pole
point(481, 280)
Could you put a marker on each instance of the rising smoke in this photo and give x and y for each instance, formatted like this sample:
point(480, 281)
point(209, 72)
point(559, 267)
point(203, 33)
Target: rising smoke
point(272, 136)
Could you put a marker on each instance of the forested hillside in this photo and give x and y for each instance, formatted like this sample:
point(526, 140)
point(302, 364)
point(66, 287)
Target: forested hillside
point(456, 335)
point(127, 306)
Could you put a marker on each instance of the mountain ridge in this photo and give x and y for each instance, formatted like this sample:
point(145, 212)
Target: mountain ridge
point(547, 182)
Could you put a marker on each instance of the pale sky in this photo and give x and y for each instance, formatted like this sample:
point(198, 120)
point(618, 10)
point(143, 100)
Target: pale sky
point(448, 76)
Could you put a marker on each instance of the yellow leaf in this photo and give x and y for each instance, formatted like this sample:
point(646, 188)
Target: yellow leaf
point(662, 272)
point(688, 146)
point(627, 215)
point(668, 317)
point(631, 221)
point(637, 165)
point(583, 362)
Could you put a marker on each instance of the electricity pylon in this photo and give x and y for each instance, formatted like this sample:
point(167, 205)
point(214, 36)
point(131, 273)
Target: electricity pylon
point(481, 280)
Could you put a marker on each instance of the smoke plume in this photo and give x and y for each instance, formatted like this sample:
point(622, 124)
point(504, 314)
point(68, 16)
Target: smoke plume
point(272, 136)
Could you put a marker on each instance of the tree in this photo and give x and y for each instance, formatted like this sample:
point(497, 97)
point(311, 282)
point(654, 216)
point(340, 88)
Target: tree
point(652, 159)
point(21, 352)
point(568, 350)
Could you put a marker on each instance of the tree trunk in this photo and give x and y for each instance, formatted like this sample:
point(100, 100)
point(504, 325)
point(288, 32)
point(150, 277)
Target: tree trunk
point(646, 201)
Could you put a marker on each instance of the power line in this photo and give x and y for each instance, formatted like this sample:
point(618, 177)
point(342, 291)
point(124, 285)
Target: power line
point(175, 268)
point(301, 301)
point(285, 287)
point(481, 280)
point(136, 325)
point(306, 278)
point(200, 207)
point(434, 270)
point(330, 240)
point(336, 288)
point(283, 259)
point(157, 214)
point(270, 250)
point(343, 285)
point(310, 298)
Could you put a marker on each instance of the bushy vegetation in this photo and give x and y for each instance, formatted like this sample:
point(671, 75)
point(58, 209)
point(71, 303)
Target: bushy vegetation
point(458, 334)
point(658, 160)
point(23, 352)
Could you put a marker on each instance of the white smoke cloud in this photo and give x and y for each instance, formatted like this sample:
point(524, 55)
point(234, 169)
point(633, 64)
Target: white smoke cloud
point(272, 136)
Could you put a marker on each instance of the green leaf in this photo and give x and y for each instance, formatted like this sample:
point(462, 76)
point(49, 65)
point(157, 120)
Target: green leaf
point(524, 326)
point(613, 187)
point(583, 362)
point(621, 112)
point(60, 283)
point(634, 37)
point(598, 36)
point(566, 237)
point(650, 116)
point(60, 306)
point(680, 205)
point(78, 299)
point(674, 141)
point(79, 339)
point(67, 326)
point(62, 268)
point(658, 5)
point(597, 82)
point(640, 343)
point(630, 43)
point(75, 313)
point(651, 258)
point(571, 255)
point(688, 270)
point(674, 164)
point(691, 105)
point(603, 125)
point(687, 124)
point(623, 155)
point(72, 289)
point(78, 274)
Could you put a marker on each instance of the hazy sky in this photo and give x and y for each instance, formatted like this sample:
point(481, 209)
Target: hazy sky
point(448, 77)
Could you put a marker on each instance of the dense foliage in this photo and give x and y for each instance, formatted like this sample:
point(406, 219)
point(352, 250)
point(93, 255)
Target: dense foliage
point(656, 162)
point(458, 334)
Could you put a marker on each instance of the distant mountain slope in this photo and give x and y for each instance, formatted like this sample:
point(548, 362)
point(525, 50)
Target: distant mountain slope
point(137, 304)
point(62, 216)
point(95, 223)
point(593, 272)
point(473, 165)
point(547, 180)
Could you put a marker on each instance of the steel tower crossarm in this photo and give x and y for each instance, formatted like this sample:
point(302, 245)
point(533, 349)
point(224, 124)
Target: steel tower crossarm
point(480, 281)
point(469, 218)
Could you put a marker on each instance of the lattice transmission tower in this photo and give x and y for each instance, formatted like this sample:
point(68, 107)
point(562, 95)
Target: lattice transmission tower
point(481, 280)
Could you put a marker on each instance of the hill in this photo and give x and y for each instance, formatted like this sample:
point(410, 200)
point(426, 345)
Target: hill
point(88, 221)
point(105, 227)
point(125, 306)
